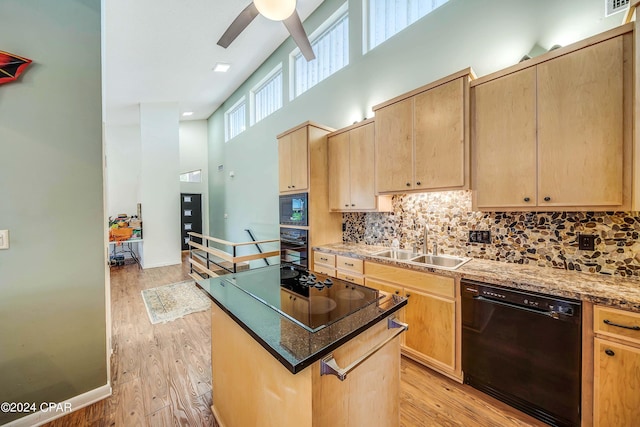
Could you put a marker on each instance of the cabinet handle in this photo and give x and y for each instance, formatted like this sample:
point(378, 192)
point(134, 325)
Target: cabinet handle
point(353, 204)
point(547, 199)
point(408, 184)
point(397, 292)
point(610, 323)
point(346, 206)
point(324, 259)
point(290, 296)
point(526, 199)
point(609, 352)
point(349, 279)
point(329, 366)
point(293, 186)
point(349, 264)
point(408, 295)
point(418, 183)
point(288, 186)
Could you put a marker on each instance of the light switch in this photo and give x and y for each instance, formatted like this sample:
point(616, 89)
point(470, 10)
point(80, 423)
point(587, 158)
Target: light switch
point(4, 239)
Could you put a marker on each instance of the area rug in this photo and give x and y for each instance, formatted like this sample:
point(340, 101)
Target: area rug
point(171, 302)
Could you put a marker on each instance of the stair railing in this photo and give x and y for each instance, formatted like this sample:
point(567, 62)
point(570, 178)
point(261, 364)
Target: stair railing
point(204, 257)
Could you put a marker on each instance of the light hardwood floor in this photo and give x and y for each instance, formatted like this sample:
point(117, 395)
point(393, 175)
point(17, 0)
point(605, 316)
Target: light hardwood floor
point(161, 374)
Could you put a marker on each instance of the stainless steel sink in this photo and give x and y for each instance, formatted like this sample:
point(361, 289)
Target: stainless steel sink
point(398, 254)
point(441, 261)
point(447, 262)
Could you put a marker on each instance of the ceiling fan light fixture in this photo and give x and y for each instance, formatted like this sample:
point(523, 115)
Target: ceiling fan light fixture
point(276, 10)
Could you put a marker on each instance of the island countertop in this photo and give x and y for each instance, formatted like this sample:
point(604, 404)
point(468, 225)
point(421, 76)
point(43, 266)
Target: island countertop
point(614, 291)
point(252, 299)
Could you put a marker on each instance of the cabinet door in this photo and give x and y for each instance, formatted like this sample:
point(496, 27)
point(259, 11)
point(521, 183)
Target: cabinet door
point(439, 137)
point(299, 160)
point(394, 147)
point(616, 382)
point(504, 141)
point(294, 305)
point(580, 127)
point(338, 154)
point(362, 162)
point(382, 286)
point(391, 289)
point(284, 163)
point(432, 327)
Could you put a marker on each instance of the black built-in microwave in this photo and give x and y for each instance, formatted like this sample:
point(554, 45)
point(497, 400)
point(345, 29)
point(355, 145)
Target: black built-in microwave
point(294, 209)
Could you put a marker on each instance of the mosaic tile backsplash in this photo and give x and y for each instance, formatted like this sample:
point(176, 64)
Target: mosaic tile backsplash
point(548, 239)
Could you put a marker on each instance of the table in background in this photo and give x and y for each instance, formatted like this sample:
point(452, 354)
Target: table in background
point(126, 247)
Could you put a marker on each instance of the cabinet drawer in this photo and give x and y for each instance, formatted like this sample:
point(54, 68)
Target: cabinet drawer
point(353, 278)
point(350, 264)
point(617, 323)
point(324, 269)
point(324, 258)
point(432, 283)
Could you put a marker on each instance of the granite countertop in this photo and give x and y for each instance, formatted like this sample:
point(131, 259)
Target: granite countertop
point(619, 292)
point(252, 299)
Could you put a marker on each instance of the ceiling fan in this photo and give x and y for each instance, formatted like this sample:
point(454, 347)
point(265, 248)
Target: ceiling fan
point(276, 10)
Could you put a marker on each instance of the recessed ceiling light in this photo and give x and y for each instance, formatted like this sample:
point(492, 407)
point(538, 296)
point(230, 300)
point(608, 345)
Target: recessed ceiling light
point(187, 114)
point(221, 67)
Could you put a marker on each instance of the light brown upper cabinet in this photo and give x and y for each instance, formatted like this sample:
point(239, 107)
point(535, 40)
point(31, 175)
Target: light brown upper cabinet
point(351, 170)
point(293, 161)
point(422, 138)
point(303, 168)
point(554, 133)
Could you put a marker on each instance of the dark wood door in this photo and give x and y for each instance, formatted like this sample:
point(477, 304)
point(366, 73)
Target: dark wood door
point(191, 214)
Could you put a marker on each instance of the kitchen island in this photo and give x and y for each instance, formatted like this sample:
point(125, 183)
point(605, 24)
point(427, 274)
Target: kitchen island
point(293, 349)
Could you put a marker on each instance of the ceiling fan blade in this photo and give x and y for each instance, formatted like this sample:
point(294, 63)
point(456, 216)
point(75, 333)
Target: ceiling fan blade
point(238, 25)
point(294, 25)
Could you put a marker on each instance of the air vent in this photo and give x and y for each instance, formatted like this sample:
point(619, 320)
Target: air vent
point(615, 6)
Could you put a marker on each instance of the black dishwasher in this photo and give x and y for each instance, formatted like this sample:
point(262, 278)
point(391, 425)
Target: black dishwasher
point(524, 349)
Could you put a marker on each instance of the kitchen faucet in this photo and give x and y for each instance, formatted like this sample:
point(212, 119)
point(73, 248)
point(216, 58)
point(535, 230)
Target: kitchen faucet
point(425, 241)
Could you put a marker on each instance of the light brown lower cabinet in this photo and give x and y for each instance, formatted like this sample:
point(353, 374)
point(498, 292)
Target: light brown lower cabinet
point(616, 384)
point(433, 337)
point(616, 363)
point(342, 267)
point(252, 388)
point(324, 263)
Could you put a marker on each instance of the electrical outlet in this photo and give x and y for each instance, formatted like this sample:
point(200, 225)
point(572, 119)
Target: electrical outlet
point(479, 236)
point(587, 242)
point(4, 239)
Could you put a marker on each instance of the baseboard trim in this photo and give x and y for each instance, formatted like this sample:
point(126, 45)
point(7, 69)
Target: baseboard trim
point(77, 402)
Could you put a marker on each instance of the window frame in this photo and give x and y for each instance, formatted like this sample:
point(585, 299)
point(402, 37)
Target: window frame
point(366, 26)
point(227, 115)
point(333, 20)
point(190, 174)
point(271, 75)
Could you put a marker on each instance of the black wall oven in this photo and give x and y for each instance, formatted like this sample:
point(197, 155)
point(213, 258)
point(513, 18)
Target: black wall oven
point(294, 209)
point(294, 246)
point(523, 348)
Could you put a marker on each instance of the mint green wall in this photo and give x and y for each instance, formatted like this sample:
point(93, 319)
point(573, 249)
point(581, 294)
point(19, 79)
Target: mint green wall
point(52, 279)
point(487, 35)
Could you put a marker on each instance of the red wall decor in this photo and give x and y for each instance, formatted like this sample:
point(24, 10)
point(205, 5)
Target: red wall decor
point(11, 66)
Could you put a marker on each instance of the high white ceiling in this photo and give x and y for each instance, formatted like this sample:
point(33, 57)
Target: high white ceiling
point(165, 51)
